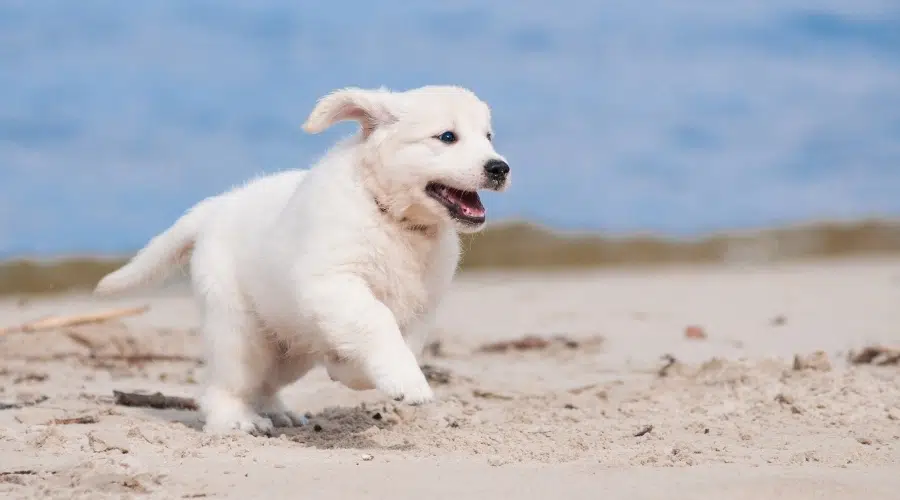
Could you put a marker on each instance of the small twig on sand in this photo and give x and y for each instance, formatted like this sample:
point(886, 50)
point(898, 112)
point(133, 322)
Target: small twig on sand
point(24, 404)
point(478, 393)
point(646, 430)
point(87, 419)
point(535, 342)
point(147, 358)
point(18, 473)
point(436, 375)
point(54, 322)
point(876, 355)
point(156, 400)
point(30, 377)
point(670, 362)
point(435, 349)
point(80, 339)
point(126, 358)
point(526, 343)
point(583, 388)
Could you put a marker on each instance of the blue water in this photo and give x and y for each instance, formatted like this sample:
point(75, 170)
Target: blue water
point(675, 117)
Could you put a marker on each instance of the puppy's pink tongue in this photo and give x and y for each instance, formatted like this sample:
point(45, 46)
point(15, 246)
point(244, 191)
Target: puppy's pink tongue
point(470, 204)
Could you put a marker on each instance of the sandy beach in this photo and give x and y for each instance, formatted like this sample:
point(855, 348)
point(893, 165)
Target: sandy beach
point(670, 383)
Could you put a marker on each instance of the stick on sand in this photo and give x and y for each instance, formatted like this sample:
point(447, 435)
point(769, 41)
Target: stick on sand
point(54, 322)
point(156, 400)
point(876, 355)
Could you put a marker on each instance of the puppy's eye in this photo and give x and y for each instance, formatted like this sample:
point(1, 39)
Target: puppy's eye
point(490, 137)
point(448, 137)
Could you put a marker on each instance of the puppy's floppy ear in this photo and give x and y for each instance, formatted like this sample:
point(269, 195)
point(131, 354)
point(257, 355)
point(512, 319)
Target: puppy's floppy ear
point(371, 108)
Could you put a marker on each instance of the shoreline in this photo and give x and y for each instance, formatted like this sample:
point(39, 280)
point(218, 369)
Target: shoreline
point(527, 247)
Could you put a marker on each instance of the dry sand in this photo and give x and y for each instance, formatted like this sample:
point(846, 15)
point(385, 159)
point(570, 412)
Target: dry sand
point(586, 417)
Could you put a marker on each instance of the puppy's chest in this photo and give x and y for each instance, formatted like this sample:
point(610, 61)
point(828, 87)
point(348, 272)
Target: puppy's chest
point(409, 278)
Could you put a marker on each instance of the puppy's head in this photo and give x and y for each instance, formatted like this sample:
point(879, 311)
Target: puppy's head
point(425, 153)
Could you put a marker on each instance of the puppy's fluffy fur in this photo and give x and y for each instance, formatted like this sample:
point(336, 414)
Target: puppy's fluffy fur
point(342, 264)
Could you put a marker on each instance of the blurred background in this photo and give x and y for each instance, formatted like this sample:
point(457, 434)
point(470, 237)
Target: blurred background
point(660, 131)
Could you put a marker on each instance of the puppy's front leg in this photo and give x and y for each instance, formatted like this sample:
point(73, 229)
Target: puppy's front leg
point(362, 333)
point(418, 332)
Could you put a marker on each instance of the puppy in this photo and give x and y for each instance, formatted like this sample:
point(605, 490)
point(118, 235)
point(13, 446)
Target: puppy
point(341, 265)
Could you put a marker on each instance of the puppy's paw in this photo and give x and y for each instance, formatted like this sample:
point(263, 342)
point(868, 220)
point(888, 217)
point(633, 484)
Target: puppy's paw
point(417, 398)
point(275, 410)
point(255, 425)
point(286, 419)
point(412, 389)
point(227, 413)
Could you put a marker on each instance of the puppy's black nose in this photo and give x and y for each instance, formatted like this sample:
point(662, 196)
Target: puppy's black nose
point(496, 169)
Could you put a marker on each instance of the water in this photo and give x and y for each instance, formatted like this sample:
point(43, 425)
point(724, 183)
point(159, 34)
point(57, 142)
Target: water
point(674, 117)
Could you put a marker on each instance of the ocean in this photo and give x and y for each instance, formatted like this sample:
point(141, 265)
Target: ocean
point(676, 118)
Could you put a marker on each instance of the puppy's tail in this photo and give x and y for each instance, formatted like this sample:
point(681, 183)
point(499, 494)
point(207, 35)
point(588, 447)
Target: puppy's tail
point(165, 251)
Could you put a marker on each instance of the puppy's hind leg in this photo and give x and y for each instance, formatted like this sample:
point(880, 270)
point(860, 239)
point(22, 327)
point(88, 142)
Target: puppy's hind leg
point(287, 369)
point(239, 358)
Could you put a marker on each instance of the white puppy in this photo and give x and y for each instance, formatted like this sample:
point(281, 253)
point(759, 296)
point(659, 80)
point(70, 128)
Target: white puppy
point(342, 264)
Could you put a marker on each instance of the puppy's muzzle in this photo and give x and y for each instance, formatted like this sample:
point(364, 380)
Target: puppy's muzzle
point(496, 171)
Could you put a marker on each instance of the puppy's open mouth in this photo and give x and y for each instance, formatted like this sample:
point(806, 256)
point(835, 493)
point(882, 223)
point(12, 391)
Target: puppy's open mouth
point(464, 206)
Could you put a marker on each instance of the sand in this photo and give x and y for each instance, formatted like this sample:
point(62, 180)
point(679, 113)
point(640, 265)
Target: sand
point(587, 416)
